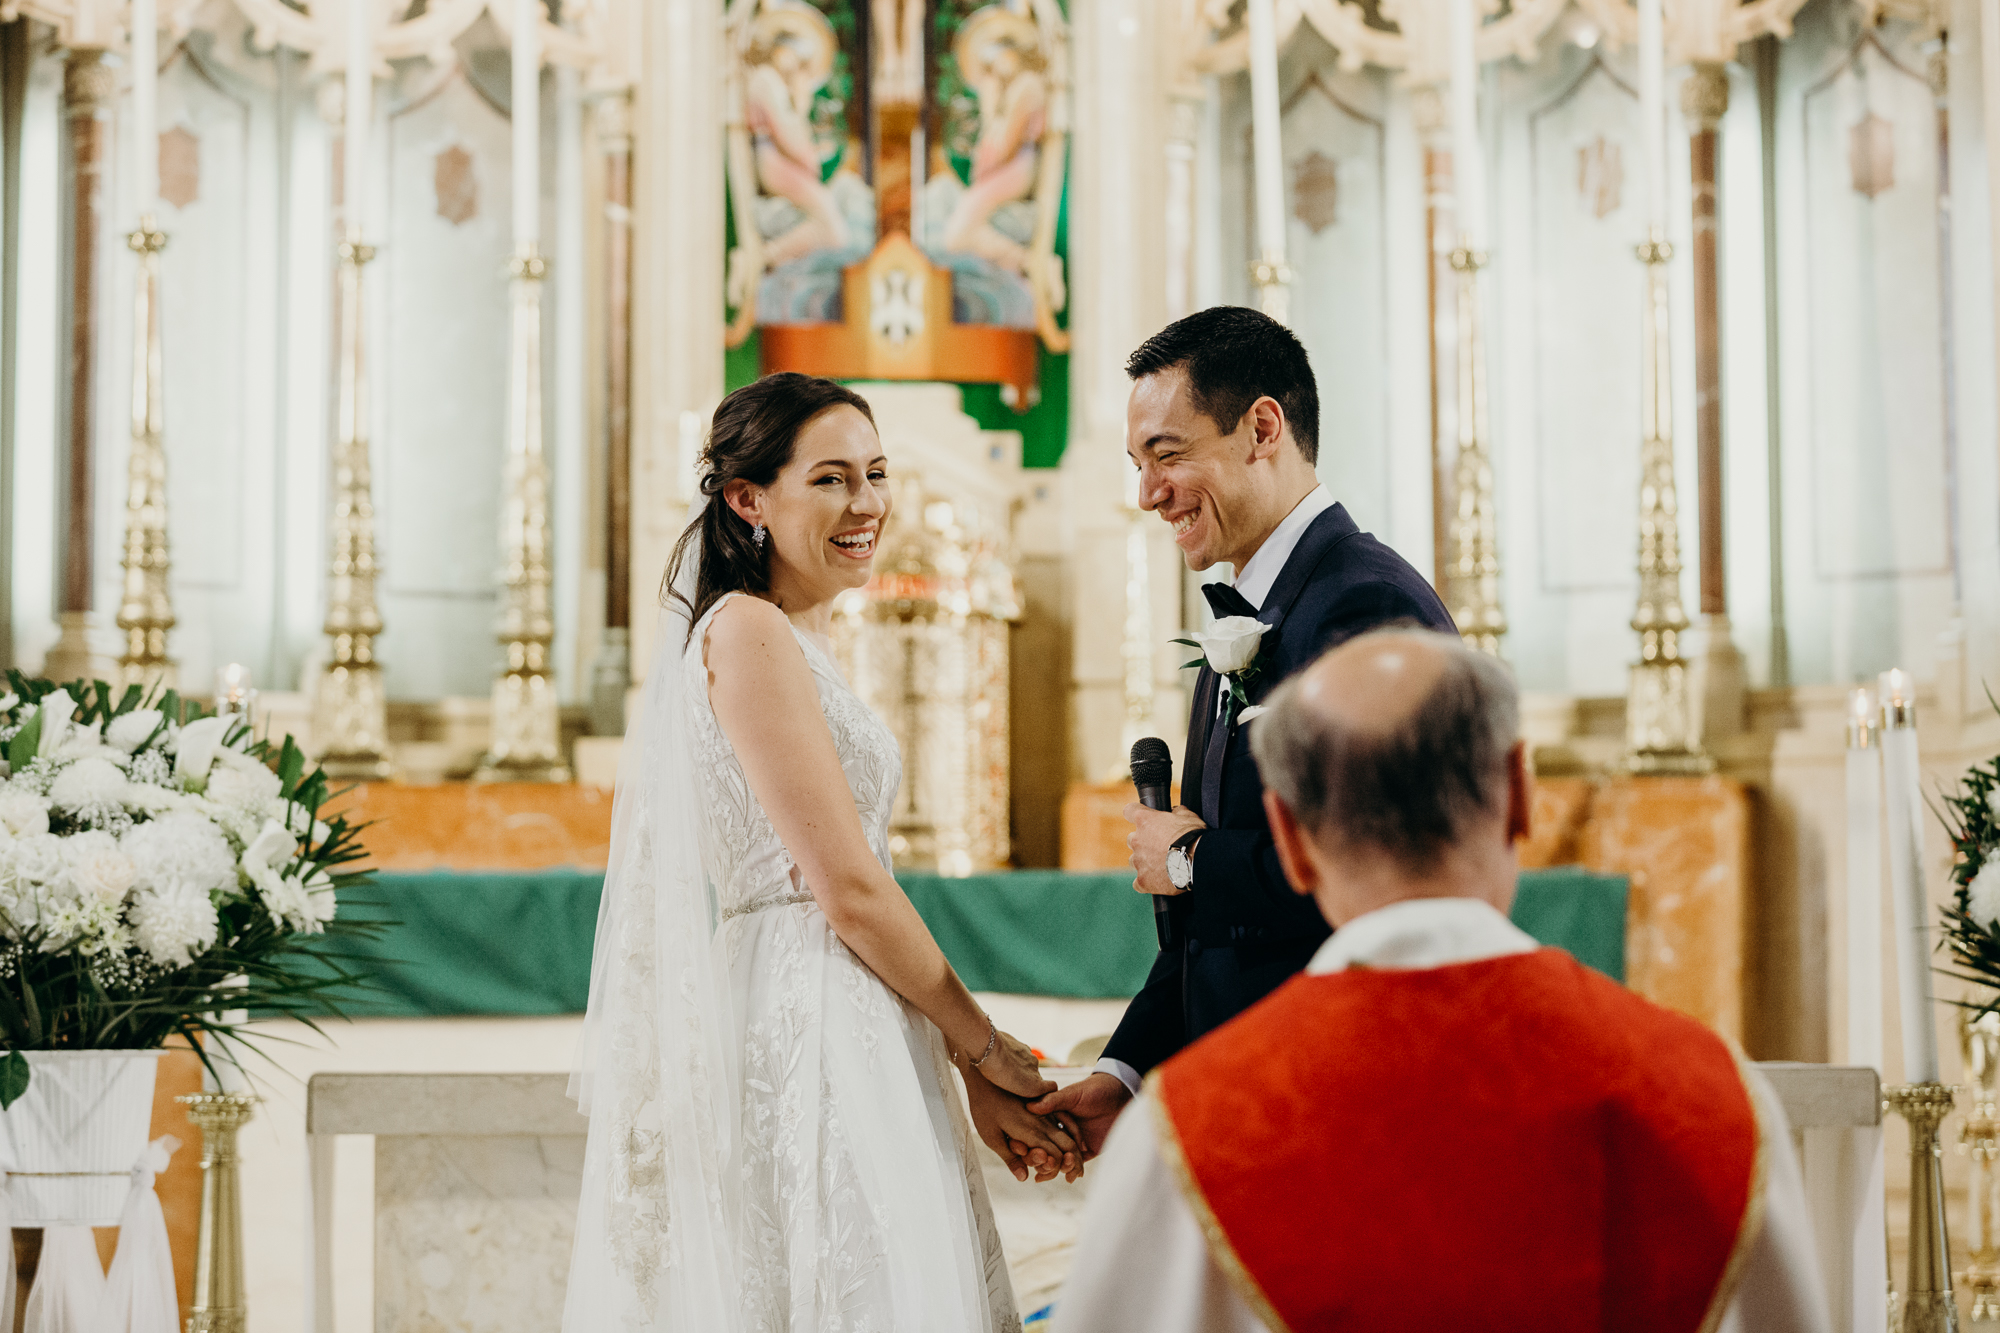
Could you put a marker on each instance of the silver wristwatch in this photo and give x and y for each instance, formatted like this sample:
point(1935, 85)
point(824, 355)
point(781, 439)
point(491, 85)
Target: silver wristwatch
point(1180, 861)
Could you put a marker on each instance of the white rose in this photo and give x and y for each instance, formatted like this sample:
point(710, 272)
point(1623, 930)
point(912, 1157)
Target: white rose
point(56, 710)
point(239, 779)
point(37, 858)
point(23, 814)
point(129, 732)
point(1232, 643)
point(1982, 896)
point(98, 869)
point(199, 741)
point(88, 782)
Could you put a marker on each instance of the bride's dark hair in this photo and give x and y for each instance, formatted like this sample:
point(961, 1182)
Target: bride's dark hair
point(752, 438)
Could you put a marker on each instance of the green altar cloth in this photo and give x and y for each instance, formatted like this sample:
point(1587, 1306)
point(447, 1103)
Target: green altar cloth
point(519, 942)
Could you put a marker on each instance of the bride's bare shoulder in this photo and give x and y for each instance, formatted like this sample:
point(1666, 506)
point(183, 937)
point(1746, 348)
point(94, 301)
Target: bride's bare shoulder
point(745, 633)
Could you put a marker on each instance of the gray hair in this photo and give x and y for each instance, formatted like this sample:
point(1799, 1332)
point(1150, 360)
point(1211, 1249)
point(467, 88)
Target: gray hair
point(1410, 792)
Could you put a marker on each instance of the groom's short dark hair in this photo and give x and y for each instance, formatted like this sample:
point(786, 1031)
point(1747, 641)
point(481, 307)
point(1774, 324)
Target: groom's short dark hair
point(1233, 356)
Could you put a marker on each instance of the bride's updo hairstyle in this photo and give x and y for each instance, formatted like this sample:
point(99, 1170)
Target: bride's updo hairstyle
point(753, 437)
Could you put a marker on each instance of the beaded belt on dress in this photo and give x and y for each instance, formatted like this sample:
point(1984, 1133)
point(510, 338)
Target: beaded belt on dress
point(768, 900)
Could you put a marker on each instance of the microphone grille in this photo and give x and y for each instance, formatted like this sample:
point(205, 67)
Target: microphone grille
point(1152, 762)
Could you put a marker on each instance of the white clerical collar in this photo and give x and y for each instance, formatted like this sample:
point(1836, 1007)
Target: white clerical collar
point(1261, 570)
point(1420, 933)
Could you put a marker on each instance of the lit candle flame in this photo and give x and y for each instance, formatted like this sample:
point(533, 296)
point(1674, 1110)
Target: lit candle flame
point(1861, 704)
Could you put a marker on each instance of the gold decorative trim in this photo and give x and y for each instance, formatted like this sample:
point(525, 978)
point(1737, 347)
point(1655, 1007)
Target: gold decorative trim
point(1219, 1248)
point(1752, 1224)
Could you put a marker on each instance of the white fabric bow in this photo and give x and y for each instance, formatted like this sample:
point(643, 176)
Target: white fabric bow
point(71, 1292)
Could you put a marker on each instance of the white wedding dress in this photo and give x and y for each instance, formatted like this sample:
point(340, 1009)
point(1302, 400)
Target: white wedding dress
point(790, 1155)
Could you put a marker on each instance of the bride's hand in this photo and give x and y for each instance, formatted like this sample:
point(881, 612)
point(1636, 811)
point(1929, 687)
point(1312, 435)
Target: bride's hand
point(1013, 1067)
point(1024, 1141)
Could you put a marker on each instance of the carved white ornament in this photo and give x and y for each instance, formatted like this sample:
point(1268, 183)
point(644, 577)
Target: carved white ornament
point(1698, 31)
point(100, 25)
point(1418, 46)
point(595, 36)
point(896, 305)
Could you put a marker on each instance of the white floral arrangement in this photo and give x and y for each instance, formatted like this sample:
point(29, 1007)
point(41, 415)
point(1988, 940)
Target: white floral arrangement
point(1972, 920)
point(160, 869)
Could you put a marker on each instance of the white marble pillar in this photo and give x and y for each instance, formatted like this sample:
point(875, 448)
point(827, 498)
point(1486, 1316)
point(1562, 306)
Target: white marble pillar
point(1118, 252)
point(677, 310)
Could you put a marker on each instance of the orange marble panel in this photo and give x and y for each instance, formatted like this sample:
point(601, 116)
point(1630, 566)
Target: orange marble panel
point(468, 826)
point(1685, 845)
point(1555, 823)
point(1094, 827)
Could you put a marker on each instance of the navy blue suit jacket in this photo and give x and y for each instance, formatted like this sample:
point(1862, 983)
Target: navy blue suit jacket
point(1242, 931)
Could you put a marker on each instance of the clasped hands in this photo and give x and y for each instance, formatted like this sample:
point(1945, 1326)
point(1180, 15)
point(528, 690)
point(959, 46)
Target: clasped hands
point(998, 1090)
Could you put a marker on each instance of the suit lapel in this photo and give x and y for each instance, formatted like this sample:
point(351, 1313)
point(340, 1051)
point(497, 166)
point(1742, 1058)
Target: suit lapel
point(1200, 721)
point(1321, 535)
point(1205, 771)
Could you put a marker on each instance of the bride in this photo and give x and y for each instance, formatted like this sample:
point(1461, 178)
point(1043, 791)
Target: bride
point(775, 1143)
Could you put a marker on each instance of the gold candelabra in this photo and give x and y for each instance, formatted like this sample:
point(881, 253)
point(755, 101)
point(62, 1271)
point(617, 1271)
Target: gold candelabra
point(1472, 578)
point(219, 1305)
point(351, 712)
point(526, 739)
point(146, 610)
point(1927, 1304)
point(1662, 724)
point(1979, 1039)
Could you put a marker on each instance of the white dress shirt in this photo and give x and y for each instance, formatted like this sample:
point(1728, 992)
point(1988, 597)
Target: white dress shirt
point(1143, 1266)
point(1255, 581)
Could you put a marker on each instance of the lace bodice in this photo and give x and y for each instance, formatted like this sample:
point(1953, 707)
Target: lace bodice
point(742, 854)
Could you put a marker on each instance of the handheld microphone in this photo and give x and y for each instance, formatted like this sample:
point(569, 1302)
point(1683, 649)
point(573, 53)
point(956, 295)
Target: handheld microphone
point(1153, 775)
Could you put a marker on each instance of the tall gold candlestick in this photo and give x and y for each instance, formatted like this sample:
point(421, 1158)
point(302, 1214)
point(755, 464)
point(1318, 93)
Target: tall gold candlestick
point(1979, 1039)
point(526, 742)
point(1927, 1304)
point(351, 711)
point(219, 1305)
point(146, 610)
point(1662, 724)
point(1472, 580)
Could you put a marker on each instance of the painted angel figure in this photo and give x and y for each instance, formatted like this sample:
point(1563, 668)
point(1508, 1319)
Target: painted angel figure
point(1011, 58)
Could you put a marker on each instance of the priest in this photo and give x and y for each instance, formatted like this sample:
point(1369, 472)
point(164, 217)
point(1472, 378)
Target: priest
point(1438, 1123)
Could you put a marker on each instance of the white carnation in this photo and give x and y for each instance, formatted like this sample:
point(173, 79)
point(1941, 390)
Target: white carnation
point(238, 779)
point(35, 859)
point(87, 783)
point(1982, 896)
point(302, 906)
point(173, 924)
point(153, 800)
point(99, 870)
point(83, 742)
point(23, 813)
point(180, 849)
point(129, 732)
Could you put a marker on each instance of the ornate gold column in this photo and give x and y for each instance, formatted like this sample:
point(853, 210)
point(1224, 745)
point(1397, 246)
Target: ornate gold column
point(1472, 579)
point(89, 86)
point(1704, 101)
point(219, 1305)
point(1440, 226)
point(1662, 724)
point(526, 740)
point(350, 712)
point(146, 611)
point(1927, 1304)
point(611, 676)
point(1979, 1137)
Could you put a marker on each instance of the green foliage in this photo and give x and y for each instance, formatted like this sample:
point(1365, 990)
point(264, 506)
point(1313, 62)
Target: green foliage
point(55, 995)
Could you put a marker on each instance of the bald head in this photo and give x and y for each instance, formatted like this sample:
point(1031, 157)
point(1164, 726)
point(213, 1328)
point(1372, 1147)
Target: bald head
point(1395, 743)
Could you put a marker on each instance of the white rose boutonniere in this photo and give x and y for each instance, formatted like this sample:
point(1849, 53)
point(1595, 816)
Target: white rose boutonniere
point(1230, 648)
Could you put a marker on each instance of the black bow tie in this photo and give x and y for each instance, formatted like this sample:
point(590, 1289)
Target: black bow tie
point(1225, 601)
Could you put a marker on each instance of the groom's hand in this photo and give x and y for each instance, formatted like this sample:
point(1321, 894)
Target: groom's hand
point(1154, 833)
point(1090, 1104)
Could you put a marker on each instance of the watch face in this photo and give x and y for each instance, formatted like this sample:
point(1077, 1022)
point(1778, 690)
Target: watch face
point(1178, 869)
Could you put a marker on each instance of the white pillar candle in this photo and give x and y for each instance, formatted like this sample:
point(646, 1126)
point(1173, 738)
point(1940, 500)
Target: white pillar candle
point(360, 90)
point(1901, 780)
point(1468, 164)
point(527, 124)
point(145, 104)
point(1864, 883)
point(1652, 112)
point(1268, 159)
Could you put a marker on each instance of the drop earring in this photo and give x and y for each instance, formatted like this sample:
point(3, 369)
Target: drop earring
point(757, 536)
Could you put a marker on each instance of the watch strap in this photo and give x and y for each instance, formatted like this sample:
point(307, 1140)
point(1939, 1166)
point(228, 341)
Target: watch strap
point(1185, 846)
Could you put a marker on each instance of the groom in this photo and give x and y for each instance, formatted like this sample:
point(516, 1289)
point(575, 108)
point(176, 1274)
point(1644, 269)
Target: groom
point(1223, 425)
